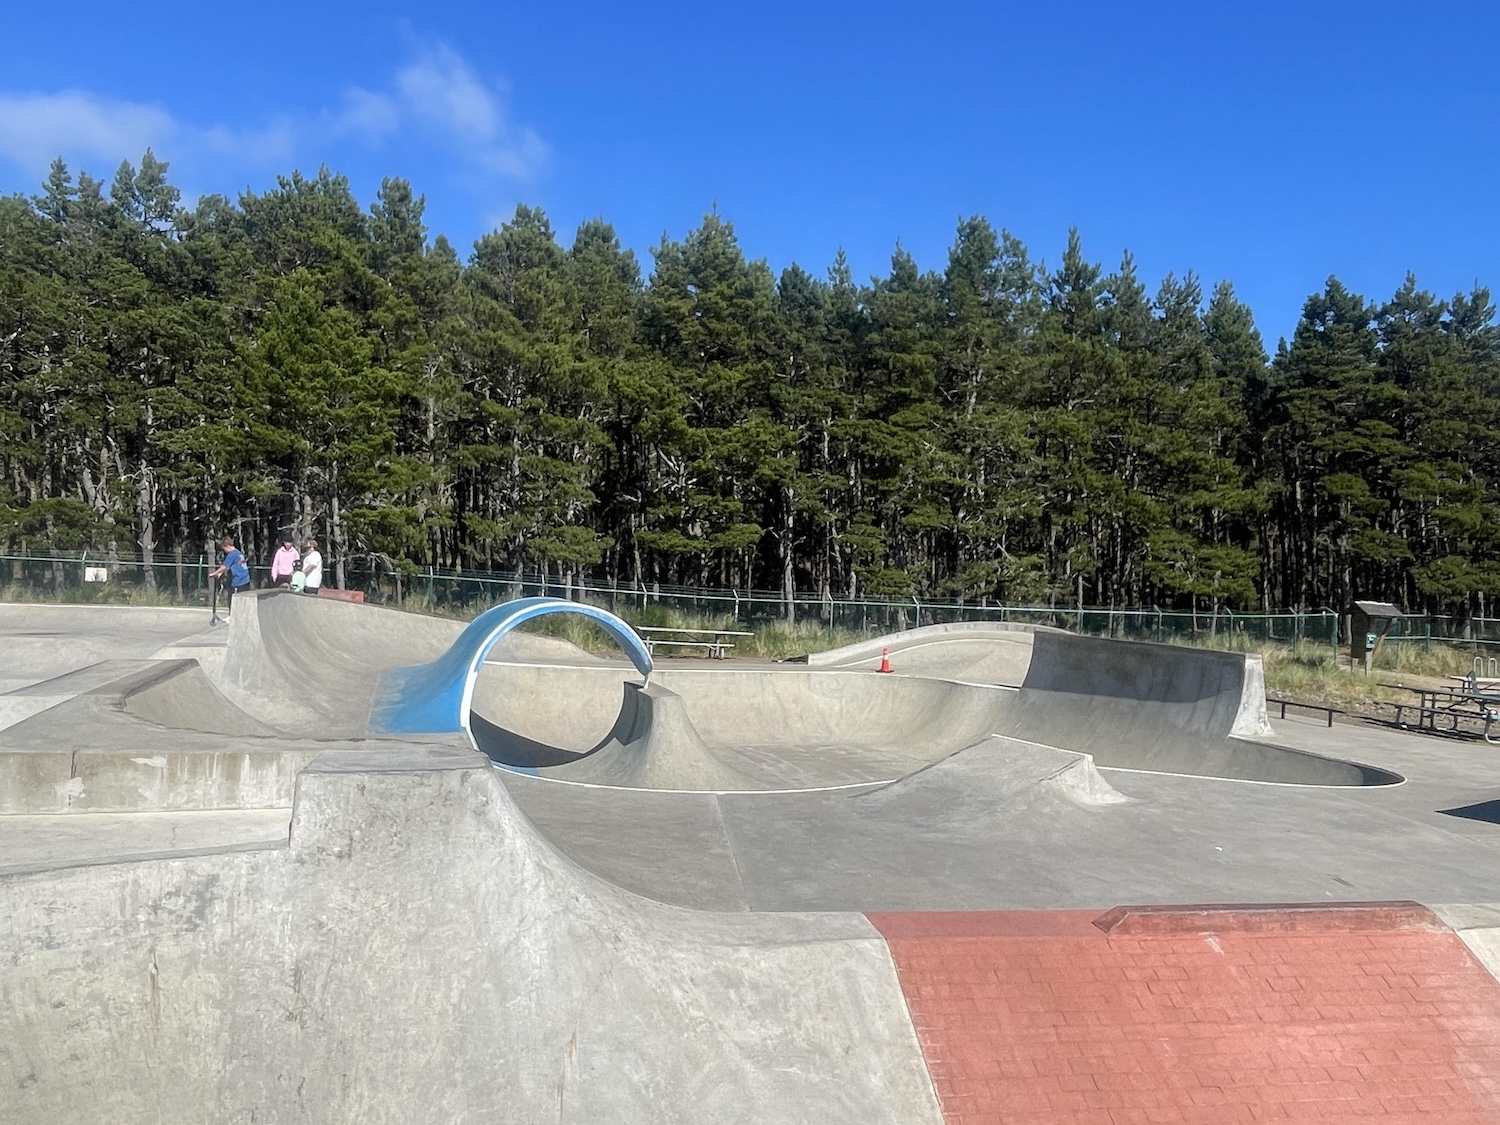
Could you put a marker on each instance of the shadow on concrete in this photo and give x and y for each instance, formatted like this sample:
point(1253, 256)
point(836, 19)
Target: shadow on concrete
point(1487, 811)
point(507, 748)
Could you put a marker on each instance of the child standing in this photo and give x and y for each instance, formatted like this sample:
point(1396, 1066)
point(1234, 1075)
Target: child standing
point(235, 567)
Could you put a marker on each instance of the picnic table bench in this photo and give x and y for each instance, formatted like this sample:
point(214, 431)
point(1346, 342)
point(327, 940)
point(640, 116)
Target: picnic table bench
point(714, 642)
point(1475, 699)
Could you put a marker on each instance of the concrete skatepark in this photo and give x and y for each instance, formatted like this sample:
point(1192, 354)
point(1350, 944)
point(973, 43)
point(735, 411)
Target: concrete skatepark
point(236, 886)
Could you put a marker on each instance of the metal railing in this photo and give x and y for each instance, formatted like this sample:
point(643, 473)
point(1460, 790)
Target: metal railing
point(103, 577)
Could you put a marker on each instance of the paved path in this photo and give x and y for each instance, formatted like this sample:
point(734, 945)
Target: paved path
point(1205, 1019)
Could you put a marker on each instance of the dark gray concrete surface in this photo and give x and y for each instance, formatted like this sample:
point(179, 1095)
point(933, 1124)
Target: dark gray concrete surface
point(985, 836)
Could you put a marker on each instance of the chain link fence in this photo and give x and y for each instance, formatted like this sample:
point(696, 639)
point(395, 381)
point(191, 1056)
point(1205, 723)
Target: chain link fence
point(185, 580)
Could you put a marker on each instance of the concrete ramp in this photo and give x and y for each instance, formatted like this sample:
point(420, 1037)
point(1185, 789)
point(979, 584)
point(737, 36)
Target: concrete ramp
point(419, 954)
point(652, 745)
point(659, 748)
point(308, 666)
point(181, 696)
point(158, 737)
point(1166, 708)
point(975, 652)
point(727, 729)
point(996, 776)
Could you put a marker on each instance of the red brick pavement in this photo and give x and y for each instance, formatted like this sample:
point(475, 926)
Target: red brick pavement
point(1200, 1016)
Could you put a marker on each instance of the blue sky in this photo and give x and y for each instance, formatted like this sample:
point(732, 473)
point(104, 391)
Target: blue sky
point(1270, 144)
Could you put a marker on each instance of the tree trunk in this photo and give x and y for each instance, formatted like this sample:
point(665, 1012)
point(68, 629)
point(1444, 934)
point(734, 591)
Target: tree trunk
point(336, 527)
point(145, 516)
point(788, 563)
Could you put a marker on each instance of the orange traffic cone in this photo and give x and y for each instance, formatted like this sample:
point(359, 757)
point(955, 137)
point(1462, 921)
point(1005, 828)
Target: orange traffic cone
point(885, 660)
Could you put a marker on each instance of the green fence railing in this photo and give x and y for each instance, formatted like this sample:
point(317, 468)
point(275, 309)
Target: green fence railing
point(88, 576)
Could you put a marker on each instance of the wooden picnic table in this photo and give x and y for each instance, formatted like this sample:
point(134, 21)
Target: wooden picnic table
point(713, 641)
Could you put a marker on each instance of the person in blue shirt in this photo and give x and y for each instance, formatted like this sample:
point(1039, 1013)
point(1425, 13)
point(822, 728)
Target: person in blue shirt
point(235, 567)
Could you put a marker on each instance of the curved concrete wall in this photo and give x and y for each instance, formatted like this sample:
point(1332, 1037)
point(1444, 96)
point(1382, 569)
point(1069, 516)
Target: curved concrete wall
point(419, 954)
point(979, 652)
point(795, 707)
point(727, 729)
point(308, 666)
point(1167, 708)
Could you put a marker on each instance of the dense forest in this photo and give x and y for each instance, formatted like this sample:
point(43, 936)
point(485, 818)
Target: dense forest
point(999, 430)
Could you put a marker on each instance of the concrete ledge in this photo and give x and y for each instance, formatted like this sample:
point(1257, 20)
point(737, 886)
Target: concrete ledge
point(950, 925)
point(342, 595)
point(35, 781)
point(1289, 917)
point(41, 781)
point(42, 867)
point(1139, 921)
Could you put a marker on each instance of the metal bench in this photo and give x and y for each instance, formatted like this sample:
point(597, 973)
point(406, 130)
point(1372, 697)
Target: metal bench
point(712, 641)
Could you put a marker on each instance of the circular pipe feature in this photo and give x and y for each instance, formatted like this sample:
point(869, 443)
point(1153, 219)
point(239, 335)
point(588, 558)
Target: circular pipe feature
point(434, 698)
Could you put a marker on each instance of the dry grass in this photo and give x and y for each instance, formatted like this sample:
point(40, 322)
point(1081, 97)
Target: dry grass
point(1313, 674)
point(771, 641)
point(102, 593)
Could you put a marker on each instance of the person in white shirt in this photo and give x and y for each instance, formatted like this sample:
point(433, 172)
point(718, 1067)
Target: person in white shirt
point(312, 568)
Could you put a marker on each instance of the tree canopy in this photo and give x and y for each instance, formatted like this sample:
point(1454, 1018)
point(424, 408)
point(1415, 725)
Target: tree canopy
point(999, 430)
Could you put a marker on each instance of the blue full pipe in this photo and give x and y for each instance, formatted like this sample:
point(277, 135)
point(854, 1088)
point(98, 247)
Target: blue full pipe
point(434, 698)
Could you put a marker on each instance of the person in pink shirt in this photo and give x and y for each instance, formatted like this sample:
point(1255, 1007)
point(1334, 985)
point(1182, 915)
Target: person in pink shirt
point(284, 565)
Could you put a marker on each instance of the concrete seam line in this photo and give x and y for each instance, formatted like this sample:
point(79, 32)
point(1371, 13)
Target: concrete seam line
point(734, 859)
point(1248, 780)
point(710, 792)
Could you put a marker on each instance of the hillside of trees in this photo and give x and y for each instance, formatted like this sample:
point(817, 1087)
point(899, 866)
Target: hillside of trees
point(998, 430)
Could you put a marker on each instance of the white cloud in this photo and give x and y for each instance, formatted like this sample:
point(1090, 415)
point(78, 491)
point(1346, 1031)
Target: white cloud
point(373, 116)
point(79, 126)
point(441, 88)
point(34, 128)
point(524, 156)
point(270, 144)
point(437, 97)
point(440, 95)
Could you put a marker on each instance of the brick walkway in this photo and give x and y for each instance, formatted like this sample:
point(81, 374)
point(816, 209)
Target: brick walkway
point(1204, 1015)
